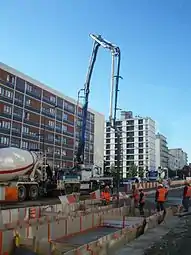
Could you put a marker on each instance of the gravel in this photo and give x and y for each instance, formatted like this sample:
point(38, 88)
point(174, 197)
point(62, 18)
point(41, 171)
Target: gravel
point(177, 241)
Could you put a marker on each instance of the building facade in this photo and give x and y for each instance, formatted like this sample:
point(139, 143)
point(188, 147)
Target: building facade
point(161, 150)
point(179, 156)
point(137, 142)
point(172, 162)
point(36, 117)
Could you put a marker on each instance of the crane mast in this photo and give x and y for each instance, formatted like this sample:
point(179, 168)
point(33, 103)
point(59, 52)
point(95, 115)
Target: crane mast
point(115, 51)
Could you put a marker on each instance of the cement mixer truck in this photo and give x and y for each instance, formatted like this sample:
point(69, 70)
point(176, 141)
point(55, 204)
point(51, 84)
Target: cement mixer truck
point(31, 177)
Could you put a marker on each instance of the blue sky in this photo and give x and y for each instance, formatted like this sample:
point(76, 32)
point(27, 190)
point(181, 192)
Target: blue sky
point(49, 40)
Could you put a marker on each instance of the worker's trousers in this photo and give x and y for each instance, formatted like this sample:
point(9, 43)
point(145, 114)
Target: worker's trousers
point(160, 206)
point(141, 208)
point(186, 203)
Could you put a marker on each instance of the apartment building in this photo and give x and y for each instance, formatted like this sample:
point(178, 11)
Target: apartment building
point(137, 141)
point(35, 117)
point(179, 156)
point(173, 163)
point(161, 150)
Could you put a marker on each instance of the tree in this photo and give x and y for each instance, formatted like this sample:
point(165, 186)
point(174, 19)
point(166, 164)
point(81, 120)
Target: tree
point(141, 172)
point(133, 170)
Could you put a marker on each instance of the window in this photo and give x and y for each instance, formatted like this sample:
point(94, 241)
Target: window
point(57, 151)
point(140, 139)
point(140, 150)
point(64, 152)
point(65, 116)
point(27, 115)
point(10, 78)
point(91, 138)
point(91, 117)
point(65, 128)
point(28, 102)
point(18, 112)
point(25, 129)
point(7, 109)
point(33, 146)
point(140, 121)
point(52, 99)
point(141, 127)
point(52, 111)
point(51, 123)
point(141, 145)
point(51, 137)
point(5, 140)
point(8, 94)
point(107, 146)
point(25, 145)
point(28, 87)
point(140, 156)
point(64, 141)
point(140, 133)
point(130, 145)
point(5, 124)
point(19, 97)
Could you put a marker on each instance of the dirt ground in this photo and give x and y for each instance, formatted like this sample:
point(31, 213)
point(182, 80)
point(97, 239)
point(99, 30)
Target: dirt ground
point(177, 241)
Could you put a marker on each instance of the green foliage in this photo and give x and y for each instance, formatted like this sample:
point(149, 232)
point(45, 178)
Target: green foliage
point(141, 172)
point(132, 171)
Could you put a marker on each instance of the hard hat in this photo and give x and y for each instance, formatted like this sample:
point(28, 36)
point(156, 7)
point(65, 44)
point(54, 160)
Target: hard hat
point(107, 187)
point(160, 185)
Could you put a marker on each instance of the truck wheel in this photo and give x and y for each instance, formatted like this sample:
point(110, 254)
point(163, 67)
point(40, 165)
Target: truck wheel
point(22, 193)
point(33, 192)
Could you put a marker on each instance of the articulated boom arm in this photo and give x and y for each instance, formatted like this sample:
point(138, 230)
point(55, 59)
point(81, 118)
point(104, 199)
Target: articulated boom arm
point(98, 41)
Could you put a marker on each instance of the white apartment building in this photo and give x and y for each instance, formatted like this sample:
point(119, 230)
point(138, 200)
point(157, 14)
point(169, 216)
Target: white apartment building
point(172, 162)
point(137, 140)
point(179, 156)
point(161, 150)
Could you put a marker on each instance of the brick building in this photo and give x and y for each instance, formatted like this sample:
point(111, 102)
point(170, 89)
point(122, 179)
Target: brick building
point(36, 117)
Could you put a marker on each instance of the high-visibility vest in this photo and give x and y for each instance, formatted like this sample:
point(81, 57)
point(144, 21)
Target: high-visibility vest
point(135, 194)
point(106, 196)
point(188, 193)
point(162, 195)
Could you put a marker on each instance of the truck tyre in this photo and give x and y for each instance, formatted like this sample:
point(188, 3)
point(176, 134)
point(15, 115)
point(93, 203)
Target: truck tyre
point(22, 193)
point(33, 192)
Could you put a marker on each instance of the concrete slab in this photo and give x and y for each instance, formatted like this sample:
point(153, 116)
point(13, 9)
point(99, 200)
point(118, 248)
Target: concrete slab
point(129, 222)
point(87, 236)
point(138, 246)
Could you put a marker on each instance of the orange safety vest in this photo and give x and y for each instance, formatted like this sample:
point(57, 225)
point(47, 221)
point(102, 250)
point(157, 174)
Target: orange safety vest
point(135, 194)
point(162, 195)
point(188, 193)
point(105, 195)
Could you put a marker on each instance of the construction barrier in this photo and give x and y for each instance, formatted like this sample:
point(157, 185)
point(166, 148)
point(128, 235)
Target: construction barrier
point(58, 235)
point(69, 206)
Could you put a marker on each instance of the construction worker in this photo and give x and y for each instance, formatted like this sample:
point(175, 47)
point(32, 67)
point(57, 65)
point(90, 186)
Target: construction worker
point(160, 197)
point(106, 196)
point(141, 201)
point(186, 196)
point(135, 195)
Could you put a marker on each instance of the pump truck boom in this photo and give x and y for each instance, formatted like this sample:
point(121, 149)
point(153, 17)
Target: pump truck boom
point(115, 51)
point(28, 174)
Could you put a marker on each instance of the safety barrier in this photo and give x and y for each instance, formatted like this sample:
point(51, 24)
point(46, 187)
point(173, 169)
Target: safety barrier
point(68, 206)
point(57, 231)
